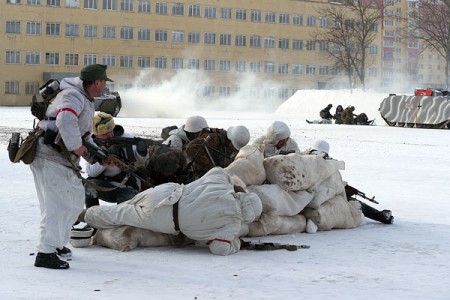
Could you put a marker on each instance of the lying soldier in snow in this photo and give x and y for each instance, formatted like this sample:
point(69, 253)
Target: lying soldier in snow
point(209, 210)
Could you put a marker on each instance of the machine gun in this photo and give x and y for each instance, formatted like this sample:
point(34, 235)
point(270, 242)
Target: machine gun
point(351, 191)
point(102, 156)
point(267, 246)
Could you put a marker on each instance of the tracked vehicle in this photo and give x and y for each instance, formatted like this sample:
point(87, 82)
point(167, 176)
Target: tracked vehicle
point(427, 108)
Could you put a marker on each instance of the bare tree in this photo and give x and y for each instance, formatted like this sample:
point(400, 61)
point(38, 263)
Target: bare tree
point(352, 28)
point(430, 23)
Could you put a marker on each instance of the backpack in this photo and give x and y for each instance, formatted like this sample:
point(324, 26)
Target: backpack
point(48, 92)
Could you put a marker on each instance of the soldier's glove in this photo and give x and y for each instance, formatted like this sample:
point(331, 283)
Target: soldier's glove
point(142, 148)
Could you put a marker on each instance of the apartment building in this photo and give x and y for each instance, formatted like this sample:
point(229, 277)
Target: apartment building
point(260, 48)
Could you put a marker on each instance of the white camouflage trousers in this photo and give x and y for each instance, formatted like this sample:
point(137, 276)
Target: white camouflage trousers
point(61, 199)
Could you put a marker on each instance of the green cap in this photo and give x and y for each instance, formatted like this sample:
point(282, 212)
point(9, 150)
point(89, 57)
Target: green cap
point(94, 72)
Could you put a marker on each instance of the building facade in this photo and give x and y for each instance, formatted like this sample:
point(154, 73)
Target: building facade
point(260, 48)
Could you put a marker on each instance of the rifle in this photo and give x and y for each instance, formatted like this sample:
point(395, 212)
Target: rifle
point(117, 140)
point(351, 191)
point(101, 155)
point(265, 246)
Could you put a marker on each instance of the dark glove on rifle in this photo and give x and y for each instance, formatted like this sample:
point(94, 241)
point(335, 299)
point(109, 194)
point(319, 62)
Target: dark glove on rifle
point(142, 148)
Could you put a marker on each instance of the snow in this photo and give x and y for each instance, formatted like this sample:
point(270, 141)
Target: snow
point(407, 169)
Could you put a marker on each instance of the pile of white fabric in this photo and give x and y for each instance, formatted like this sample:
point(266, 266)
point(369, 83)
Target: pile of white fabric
point(302, 192)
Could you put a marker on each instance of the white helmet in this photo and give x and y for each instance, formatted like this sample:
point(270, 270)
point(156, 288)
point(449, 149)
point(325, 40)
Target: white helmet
point(277, 131)
point(321, 145)
point(239, 136)
point(195, 124)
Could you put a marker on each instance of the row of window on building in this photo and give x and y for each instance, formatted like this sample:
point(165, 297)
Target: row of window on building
point(181, 9)
point(177, 36)
point(162, 62)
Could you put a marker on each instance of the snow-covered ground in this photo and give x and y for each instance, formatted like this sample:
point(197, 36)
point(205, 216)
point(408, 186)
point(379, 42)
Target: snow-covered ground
point(407, 169)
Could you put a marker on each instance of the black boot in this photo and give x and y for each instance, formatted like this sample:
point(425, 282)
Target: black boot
point(384, 216)
point(50, 261)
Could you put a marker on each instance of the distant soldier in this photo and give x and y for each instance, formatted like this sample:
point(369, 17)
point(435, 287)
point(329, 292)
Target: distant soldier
point(348, 117)
point(338, 115)
point(179, 137)
point(325, 113)
point(277, 140)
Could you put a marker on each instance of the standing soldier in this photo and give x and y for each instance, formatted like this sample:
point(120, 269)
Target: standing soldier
point(60, 191)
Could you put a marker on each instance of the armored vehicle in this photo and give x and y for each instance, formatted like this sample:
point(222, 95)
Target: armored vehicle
point(427, 108)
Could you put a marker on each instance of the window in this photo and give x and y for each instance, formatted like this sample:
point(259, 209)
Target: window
point(373, 72)
point(255, 15)
point(297, 20)
point(209, 65)
point(144, 6)
point(373, 49)
point(323, 22)
point(240, 66)
point(310, 45)
point(161, 8)
point(161, 35)
point(389, 33)
point(283, 43)
point(240, 40)
point(90, 59)
point(388, 43)
point(90, 4)
point(161, 62)
point(90, 31)
point(225, 65)
point(224, 91)
point(193, 64)
point(283, 93)
point(126, 33)
point(32, 58)
point(194, 10)
point(71, 59)
point(73, 3)
point(178, 9)
point(33, 28)
point(323, 46)
point(255, 66)
point(52, 58)
point(311, 21)
point(109, 32)
point(53, 29)
point(109, 60)
point(72, 30)
point(255, 41)
point(209, 91)
point(178, 36)
point(310, 69)
point(210, 12)
point(34, 2)
point(12, 87)
point(144, 62)
point(144, 34)
point(283, 18)
point(270, 17)
point(388, 23)
point(12, 26)
point(31, 88)
point(13, 57)
point(109, 4)
point(177, 63)
point(225, 13)
point(296, 69)
point(323, 70)
point(225, 39)
point(297, 44)
point(210, 38)
point(126, 61)
point(269, 42)
point(269, 67)
point(127, 5)
point(241, 14)
point(194, 37)
point(283, 69)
